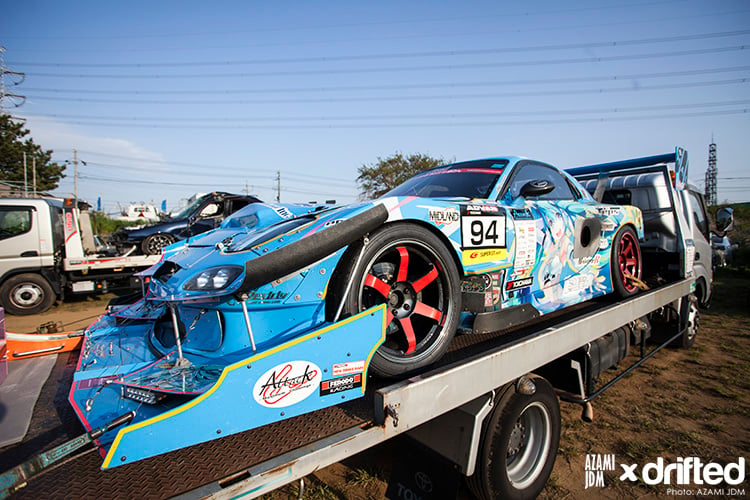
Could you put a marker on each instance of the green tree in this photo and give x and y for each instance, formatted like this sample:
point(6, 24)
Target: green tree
point(13, 144)
point(385, 174)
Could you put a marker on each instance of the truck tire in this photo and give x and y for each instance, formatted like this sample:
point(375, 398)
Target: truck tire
point(687, 339)
point(25, 294)
point(519, 444)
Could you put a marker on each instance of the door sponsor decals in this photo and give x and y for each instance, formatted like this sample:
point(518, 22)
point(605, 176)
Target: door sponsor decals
point(287, 384)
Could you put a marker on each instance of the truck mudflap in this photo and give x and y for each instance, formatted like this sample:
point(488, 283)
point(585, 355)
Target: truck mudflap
point(181, 404)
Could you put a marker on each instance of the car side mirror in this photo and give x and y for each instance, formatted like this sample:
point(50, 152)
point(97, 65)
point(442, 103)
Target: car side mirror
point(536, 188)
point(724, 219)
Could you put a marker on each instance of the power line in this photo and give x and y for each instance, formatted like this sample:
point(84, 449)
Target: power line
point(525, 63)
point(349, 25)
point(401, 55)
point(411, 98)
point(433, 124)
point(415, 86)
point(204, 166)
point(408, 116)
point(567, 26)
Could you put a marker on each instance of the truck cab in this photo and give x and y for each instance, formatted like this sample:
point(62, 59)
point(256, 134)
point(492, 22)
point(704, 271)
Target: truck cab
point(31, 233)
point(47, 249)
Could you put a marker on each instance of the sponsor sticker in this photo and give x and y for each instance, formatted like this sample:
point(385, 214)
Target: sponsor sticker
point(479, 256)
point(521, 214)
point(340, 384)
point(340, 369)
point(608, 211)
point(518, 284)
point(444, 216)
point(481, 208)
point(287, 384)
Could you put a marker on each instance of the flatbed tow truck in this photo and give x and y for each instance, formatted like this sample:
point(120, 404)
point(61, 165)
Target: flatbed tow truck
point(484, 398)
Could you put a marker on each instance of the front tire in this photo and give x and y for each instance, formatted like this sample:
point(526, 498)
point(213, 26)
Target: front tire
point(26, 294)
point(408, 268)
point(626, 261)
point(519, 445)
point(154, 244)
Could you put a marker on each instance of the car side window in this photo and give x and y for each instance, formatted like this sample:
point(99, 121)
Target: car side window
point(699, 215)
point(14, 221)
point(533, 172)
point(211, 210)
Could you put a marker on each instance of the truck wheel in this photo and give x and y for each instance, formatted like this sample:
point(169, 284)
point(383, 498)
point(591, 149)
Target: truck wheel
point(687, 339)
point(26, 294)
point(519, 445)
point(409, 269)
point(154, 244)
point(626, 260)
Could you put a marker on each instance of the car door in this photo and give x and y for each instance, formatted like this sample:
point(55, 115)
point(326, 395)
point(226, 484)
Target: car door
point(554, 214)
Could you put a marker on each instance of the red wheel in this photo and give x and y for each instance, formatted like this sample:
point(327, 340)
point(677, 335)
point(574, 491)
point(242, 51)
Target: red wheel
point(409, 269)
point(626, 262)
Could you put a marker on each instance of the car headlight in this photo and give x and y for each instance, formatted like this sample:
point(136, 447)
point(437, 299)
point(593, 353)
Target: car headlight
point(216, 278)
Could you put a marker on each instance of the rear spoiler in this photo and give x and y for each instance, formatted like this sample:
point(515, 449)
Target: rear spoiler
point(679, 158)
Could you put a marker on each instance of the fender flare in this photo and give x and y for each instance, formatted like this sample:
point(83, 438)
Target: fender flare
point(310, 249)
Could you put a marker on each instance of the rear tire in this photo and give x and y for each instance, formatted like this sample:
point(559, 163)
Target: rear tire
point(626, 260)
point(518, 446)
point(25, 294)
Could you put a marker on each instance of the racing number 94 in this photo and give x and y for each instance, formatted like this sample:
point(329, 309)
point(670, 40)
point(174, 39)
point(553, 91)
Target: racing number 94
point(483, 231)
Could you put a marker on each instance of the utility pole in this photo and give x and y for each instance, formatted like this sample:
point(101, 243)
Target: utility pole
point(25, 182)
point(15, 78)
point(75, 177)
point(278, 186)
point(711, 176)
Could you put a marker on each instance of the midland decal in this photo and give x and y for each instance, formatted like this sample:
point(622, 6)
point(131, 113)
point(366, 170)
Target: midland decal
point(444, 216)
point(287, 384)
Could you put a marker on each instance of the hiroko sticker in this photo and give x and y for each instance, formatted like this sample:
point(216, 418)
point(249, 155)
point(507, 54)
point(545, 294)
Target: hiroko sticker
point(287, 384)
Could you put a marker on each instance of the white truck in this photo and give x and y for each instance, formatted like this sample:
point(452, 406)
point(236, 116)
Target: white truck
point(489, 407)
point(47, 250)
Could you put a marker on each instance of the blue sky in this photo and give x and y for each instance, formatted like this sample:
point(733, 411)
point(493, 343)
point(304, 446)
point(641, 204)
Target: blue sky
point(165, 99)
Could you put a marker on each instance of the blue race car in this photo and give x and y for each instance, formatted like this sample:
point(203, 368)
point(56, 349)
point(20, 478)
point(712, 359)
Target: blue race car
point(287, 309)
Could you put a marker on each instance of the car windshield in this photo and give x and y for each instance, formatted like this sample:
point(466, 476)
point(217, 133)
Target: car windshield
point(461, 180)
point(185, 212)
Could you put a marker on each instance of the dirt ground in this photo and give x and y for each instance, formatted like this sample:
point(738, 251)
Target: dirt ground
point(681, 403)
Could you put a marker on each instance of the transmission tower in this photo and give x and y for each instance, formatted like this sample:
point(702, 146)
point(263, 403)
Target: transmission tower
point(711, 174)
point(9, 78)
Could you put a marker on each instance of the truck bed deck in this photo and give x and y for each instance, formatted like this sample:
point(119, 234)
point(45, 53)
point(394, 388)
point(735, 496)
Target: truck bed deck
point(262, 459)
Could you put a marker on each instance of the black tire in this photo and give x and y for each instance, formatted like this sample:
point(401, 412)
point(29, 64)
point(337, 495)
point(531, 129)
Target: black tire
point(409, 268)
point(25, 294)
point(687, 339)
point(154, 244)
point(626, 259)
point(518, 446)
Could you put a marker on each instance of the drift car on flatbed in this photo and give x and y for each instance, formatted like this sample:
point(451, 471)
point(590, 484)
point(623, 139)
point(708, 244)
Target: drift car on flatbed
point(243, 327)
